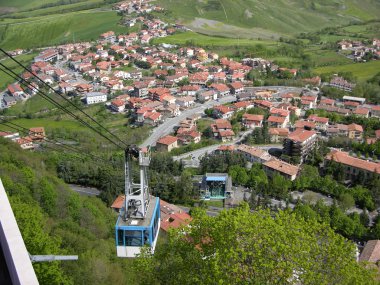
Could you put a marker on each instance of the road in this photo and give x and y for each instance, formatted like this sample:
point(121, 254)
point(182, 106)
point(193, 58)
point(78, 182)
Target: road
point(86, 191)
point(168, 126)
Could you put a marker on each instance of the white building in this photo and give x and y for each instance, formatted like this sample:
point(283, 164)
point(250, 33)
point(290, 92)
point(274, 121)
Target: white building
point(95, 97)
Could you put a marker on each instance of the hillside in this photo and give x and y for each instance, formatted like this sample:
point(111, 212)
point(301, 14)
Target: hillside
point(270, 18)
point(55, 220)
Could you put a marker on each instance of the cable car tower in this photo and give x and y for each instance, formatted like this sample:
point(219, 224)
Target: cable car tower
point(138, 224)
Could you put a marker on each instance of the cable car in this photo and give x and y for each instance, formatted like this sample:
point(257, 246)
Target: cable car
point(138, 224)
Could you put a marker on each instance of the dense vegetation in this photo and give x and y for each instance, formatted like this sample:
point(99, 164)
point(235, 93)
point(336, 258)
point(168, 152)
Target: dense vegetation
point(55, 220)
point(241, 247)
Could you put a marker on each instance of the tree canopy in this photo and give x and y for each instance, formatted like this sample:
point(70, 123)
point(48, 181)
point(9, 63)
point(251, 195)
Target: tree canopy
point(241, 247)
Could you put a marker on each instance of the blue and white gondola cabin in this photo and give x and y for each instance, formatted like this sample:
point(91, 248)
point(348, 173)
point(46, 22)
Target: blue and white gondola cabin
point(134, 234)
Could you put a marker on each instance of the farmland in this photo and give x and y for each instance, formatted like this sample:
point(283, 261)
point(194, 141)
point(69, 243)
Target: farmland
point(362, 71)
point(281, 17)
point(49, 30)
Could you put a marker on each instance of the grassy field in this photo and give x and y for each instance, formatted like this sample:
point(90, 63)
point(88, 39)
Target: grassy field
point(284, 17)
point(362, 71)
point(48, 30)
point(4, 78)
point(208, 41)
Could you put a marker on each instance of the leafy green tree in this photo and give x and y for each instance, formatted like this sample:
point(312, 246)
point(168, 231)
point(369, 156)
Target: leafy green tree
point(241, 247)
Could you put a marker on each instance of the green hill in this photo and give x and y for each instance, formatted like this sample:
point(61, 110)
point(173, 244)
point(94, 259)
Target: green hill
point(273, 17)
point(55, 220)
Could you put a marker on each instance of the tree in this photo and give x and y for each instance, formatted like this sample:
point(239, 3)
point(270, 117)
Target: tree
point(240, 247)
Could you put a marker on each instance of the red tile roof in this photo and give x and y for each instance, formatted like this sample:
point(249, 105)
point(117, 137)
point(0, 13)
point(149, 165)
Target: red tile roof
point(250, 117)
point(301, 135)
point(282, 166)
point(167, 140)
point(345, 158)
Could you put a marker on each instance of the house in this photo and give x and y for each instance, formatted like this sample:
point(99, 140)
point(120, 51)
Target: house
point(236, 87)
point(167, 143)
point(95, 97)
point(253, 154)
point(190, 90)
point(118, 105)
point(222, 130)
point(153, 118)
point(277, 135)
point(299, 143)
point(223, 112)
point(282, 168)
point(207, 96)
point(341, 83)
point(15, 90)
point(47, 55)
point(10, 136)
point(8, 101)
point(375, 111)
point(250, 121)
point(222, 89)
point(321, 123)
point(277, 122)
point(362, 112)
point(355, 131)
point(263, 104)
point(185, 102)
point(172, 216)
point(353, 167)
point(305, 125)
point(189, 137)
point(37, 134)
point(25, 143)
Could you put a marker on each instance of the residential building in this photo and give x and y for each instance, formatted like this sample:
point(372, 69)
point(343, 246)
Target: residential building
point(26, 143)
point(118, 105)
point(353, 167)
point(282, 168)
point(253, 154)
point(300, 143)
point(277, 135)
point(321, 123)
point(223, 112)
point(355, 131)
point(341, 83)
point(359, 100)
point(167, 143)
point(237, 87)
point(37, 134)
point(222, 130)
point(95, 97)
point(250, 121)
point(375, 111)
point(172, 216)
point(276, 122)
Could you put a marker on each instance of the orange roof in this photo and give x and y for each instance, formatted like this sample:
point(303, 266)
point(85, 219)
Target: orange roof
point(119, 202)
point(282, 166)
point(274, 119)
point(237, 85)
point(355, 127)
point(345, 158)
point(118, 103)
point(167, 140)
point(250, 117)
point(226, 148)
point(301, 135)
point(223, 124)
point(279, 131)
point(361, 111)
